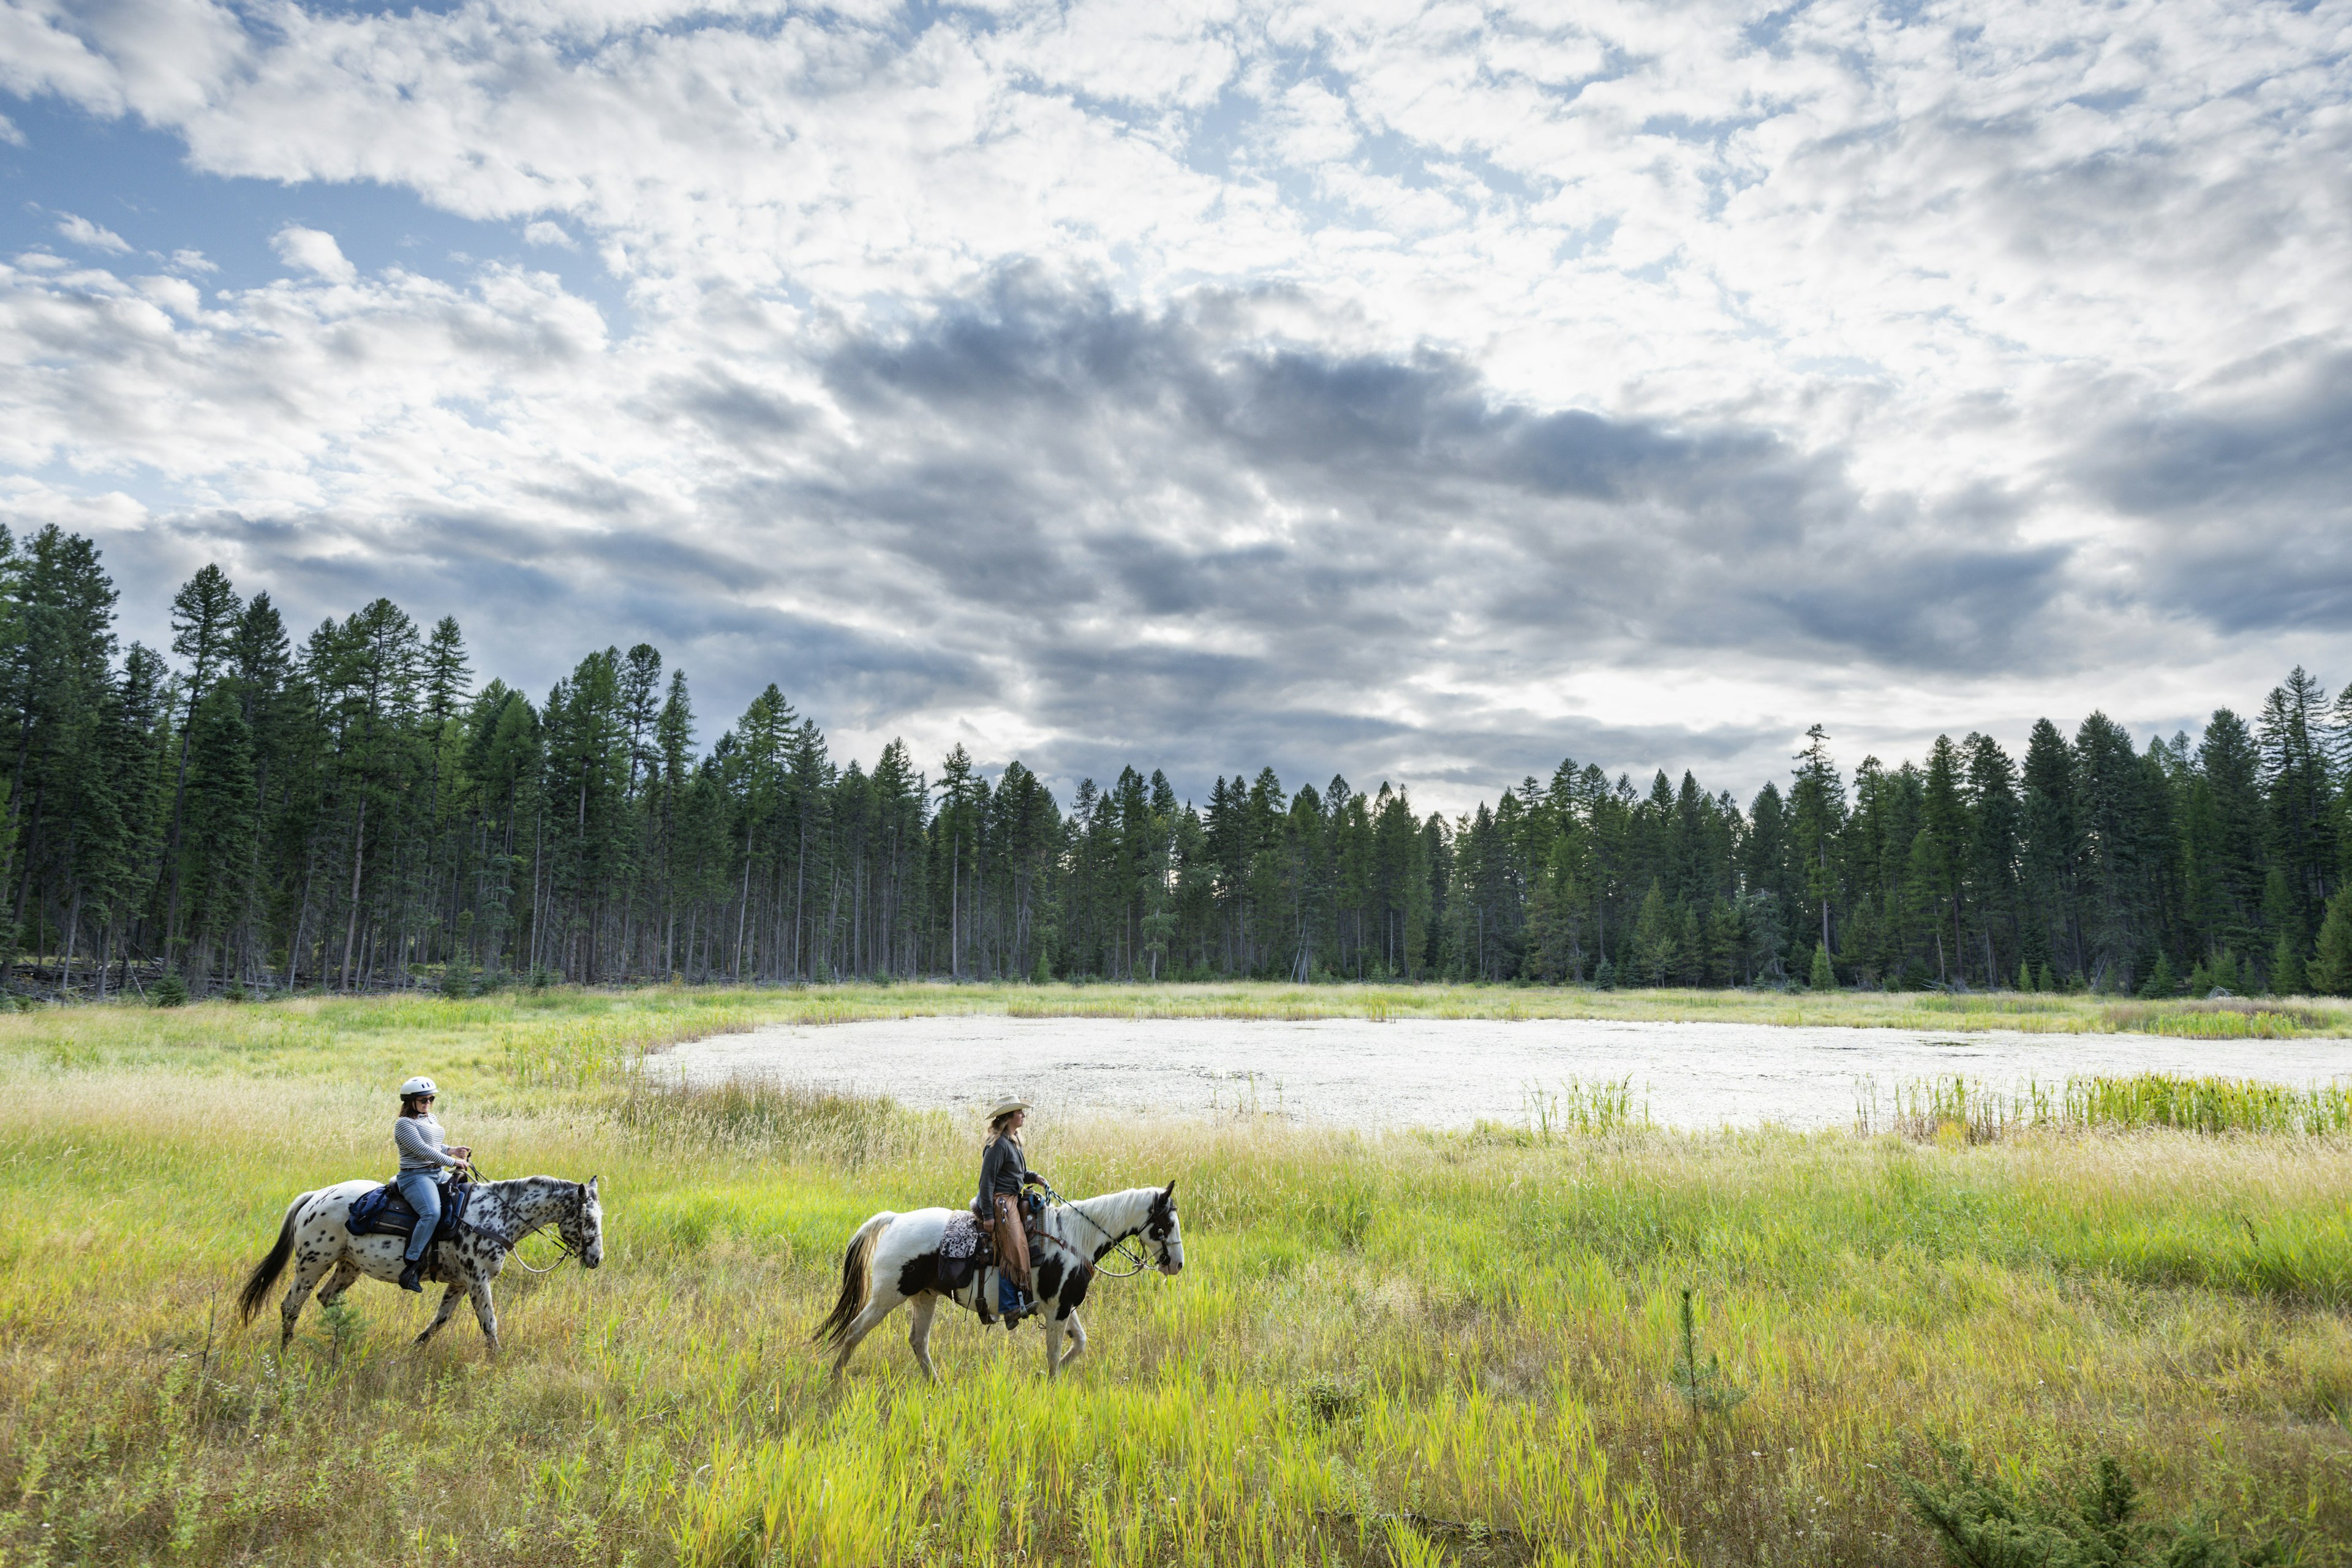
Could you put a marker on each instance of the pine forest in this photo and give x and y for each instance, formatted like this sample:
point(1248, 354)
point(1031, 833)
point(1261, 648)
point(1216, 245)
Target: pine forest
point(351, 809)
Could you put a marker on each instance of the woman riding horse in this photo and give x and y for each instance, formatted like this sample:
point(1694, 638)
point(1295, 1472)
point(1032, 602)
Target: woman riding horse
point(1003, 1171)
point(423, 1161)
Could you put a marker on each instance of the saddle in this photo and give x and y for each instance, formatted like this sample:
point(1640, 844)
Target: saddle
point(968, 1245)
point(384, 1212)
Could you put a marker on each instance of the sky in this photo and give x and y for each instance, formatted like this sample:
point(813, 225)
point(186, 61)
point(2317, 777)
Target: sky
point(1417, 392)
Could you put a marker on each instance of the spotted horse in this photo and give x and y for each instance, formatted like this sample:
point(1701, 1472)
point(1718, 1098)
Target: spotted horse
point(895, 1259)
point(317, 1238)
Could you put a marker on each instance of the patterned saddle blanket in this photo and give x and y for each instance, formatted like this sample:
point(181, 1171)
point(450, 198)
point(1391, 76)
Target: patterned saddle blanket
point(965, 1250)
point(384, 1212)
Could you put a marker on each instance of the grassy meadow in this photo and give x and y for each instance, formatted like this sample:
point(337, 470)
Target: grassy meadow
point(1406, 1349)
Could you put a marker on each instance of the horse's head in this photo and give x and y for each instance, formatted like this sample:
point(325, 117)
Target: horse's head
point(1162, 1229)
point(582, 1224)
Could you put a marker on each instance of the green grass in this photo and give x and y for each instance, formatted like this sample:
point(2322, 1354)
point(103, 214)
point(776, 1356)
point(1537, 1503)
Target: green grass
point(1413, 1347)
point(1954, 1107)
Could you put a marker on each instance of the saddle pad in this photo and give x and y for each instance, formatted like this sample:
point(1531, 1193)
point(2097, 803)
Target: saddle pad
point(962, 1239)
point(384, 1212)
point(963, 1251)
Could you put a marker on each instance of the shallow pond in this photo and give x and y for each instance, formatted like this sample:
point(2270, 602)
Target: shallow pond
point(1445, 1073)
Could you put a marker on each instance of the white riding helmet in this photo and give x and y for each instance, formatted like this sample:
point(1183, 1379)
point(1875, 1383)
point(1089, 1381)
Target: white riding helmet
point(417, 1086)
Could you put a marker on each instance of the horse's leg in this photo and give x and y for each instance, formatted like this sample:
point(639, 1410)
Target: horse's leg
point(449, 1299)
point(918, 1334)
point(337, 1282)
point(1077, 1331)
point(861, 1325)
point(485, 1313)
point(308, 1269)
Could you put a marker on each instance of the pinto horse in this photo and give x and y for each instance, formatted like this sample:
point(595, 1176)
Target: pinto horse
point(895, 1259)
point(316, 1235)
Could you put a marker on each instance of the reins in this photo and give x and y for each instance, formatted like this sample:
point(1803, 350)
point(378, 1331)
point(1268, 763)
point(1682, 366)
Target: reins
point(564, 1253)
point(1135, 1261)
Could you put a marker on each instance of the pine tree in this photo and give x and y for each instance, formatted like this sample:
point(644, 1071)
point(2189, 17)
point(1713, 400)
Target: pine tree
point(2286, 967)
point(216, 850)
point(2111, 795)
point(205, 614)
point(1656, 949)
point(2299, 807)
point(2331, 968)
point(1817, 813)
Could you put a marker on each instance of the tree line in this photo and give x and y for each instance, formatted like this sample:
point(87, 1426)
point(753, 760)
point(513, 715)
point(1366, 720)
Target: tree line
point(353, 811)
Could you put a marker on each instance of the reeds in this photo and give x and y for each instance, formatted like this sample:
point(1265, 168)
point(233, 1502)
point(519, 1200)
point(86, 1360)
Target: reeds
point(1953, 1106)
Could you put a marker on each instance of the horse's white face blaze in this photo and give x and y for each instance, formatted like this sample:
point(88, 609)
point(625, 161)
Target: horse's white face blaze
point(591, 1243)
point(1167, 1232)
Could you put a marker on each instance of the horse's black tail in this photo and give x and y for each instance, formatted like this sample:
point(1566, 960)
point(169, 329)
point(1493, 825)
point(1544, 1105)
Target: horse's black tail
point(266, 1272)
point(856, 1280)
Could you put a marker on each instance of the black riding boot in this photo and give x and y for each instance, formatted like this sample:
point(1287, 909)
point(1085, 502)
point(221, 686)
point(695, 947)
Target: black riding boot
point(412, 1278)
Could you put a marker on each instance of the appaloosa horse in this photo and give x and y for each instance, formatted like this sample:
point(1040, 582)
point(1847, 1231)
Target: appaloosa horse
point(317, 1237)
point(895, 1259)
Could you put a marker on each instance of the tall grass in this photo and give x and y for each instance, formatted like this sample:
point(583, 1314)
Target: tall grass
point(1410, 1348)
point(1956, 1107)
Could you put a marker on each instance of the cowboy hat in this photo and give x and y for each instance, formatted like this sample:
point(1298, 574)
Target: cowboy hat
point(1006, 1104)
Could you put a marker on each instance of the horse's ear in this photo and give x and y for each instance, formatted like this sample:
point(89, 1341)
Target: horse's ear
point(1169, 1192)
point(593, 1180)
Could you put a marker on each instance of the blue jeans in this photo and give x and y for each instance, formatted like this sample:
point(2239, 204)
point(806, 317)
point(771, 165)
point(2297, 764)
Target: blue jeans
point(423, 1191)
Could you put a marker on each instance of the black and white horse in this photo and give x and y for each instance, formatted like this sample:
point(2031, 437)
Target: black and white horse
point(317, 1237)
point(895, 1259)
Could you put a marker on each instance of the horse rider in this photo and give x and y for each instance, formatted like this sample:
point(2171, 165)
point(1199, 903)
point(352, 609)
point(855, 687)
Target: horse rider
point(1003, 1171)
point(423, 1163)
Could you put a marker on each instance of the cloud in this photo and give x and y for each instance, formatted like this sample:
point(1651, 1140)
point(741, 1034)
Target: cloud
point(83, 232)
point(1411, 391)
point(313, 250)
point(2244, 491)
point(9, 134)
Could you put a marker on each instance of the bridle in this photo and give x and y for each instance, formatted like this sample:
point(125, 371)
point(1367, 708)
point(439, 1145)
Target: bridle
point(1135, 1260)
point(565, 1251)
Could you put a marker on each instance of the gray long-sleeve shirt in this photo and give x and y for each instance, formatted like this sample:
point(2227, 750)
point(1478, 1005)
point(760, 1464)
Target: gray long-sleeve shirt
point(419, 1138)
point(1003, 1169)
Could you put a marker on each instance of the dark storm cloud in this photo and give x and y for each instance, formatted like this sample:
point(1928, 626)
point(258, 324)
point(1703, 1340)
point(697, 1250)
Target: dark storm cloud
point(1387, 494)
point(2247, 496)
point(1163, 536)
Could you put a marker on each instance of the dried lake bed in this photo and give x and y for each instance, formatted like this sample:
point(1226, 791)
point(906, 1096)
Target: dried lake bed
point(1444, 1072)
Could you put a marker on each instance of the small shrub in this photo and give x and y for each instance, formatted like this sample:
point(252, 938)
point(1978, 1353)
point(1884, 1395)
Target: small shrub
point(1706, 1389)
point(1328, 1401)
point(1983, 1522)
point(171, 991)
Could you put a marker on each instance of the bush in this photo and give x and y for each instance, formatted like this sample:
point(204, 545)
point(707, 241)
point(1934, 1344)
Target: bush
point(1983, 1522)
point(171, 991)
point(1824, 976)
